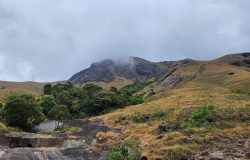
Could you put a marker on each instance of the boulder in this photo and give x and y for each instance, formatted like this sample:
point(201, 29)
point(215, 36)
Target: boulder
point(163, 128)
point(216, 155)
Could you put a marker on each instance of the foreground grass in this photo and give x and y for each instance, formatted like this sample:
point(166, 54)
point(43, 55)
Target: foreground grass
point(182, 112)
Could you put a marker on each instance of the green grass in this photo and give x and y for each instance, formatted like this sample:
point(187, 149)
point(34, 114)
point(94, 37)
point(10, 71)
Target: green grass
point(128, 150)
point(71, 129)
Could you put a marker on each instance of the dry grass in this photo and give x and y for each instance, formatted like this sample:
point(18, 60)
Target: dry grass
point(6, 88)
point(215, 87)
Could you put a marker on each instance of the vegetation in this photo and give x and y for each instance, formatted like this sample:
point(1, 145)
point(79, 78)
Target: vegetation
point(59, 112)
point(22, 111)
point(128, 150)
point(90, 99)
point(59, 130)
point(139, 117)
point(47, 102)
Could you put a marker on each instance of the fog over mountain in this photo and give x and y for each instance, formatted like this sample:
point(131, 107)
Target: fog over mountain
point(48, 40)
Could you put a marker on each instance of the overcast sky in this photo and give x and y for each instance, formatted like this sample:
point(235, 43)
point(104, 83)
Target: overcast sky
point(48, 40)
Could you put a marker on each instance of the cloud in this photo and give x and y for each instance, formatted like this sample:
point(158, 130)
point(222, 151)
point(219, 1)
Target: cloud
point(47, 40)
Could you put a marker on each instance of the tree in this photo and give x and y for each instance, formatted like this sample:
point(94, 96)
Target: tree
point(47, 102)
point(23, 111)
point(47, 89)
point(59, 112)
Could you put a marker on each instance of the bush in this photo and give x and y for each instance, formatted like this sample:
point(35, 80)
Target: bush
point(59, 112)
point(201, 116)
point(47, 89)
point(139, 118)
point(135, 99)
point(47, 102)
point(129, 150)
point(158, 114)
point(23, 111)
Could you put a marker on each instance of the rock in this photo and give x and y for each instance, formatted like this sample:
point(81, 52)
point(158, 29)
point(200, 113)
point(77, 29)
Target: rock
point(135, 69)
point(163, 128)
point(216, 156)
point(144, 158)
point(19, 154)
point(25, 139)
point(245, 55)
point(204, 153)
point(74, 143)
point(2, 153)
point(160, 137)
point(247, 149)
point(200, 158)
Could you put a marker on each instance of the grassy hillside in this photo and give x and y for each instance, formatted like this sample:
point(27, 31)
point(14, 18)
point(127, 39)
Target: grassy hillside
point(172, 125)
point(7, 88)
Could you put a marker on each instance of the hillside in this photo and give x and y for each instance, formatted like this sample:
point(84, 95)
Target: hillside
point(171, 124)
point(167, 74)
point(192, 109)
point(7, 88)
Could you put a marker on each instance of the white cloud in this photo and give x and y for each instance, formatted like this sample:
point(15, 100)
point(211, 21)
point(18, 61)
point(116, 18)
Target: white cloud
point(53, 39)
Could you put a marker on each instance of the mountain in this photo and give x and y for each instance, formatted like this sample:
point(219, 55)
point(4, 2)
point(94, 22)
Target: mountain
point(206, 115)
point(167, 74)
point(197, 109)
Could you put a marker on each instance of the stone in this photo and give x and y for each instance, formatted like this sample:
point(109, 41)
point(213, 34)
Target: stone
point(216, 156)
point(163, 128)
point(144, 158)
point(160, 137)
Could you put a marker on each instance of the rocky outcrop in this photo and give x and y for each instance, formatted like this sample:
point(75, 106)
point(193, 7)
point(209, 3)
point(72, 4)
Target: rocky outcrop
point(135, 69)
point(82, 145)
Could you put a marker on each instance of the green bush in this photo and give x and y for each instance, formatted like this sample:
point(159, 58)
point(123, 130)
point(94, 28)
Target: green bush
point(47, 102)
point(158, 114)
point(59, 112)
point(23, 111)
point(129, 150)
point(121, 119)
point(139, 118)
point(201, 115)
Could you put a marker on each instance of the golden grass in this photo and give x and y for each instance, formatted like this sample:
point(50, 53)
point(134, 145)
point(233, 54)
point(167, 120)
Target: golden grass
point(6, 88)
point(214, 86)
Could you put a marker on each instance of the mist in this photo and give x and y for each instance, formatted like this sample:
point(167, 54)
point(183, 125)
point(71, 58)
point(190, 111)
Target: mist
point(50, 40)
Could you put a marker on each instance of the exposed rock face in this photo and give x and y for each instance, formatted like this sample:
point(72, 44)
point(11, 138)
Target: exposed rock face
point(216, 156)
point(135, 69)
point(82, 145)
point(23, 139)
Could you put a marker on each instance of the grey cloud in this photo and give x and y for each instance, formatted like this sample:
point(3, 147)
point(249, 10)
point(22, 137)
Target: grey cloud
point(46, 40)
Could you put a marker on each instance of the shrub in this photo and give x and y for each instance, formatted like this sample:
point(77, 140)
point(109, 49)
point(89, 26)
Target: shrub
point(201, 115)
point(121, 119)
point(136, 99)
point(23, 111)
point(139, 118)
point(159, 114)
point(59, 112)
point(47, 102)
point(47, 89)
point(128, 150)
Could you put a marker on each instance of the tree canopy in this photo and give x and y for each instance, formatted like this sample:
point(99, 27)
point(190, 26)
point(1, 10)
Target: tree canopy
point(23, 111)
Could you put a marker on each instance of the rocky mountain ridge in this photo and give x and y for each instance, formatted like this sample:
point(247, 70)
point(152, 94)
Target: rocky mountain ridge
point(167, 74)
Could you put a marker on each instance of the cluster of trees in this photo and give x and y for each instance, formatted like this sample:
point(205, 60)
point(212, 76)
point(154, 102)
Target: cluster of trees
point(90, 99)
point(65, 101)
point(22, 111)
